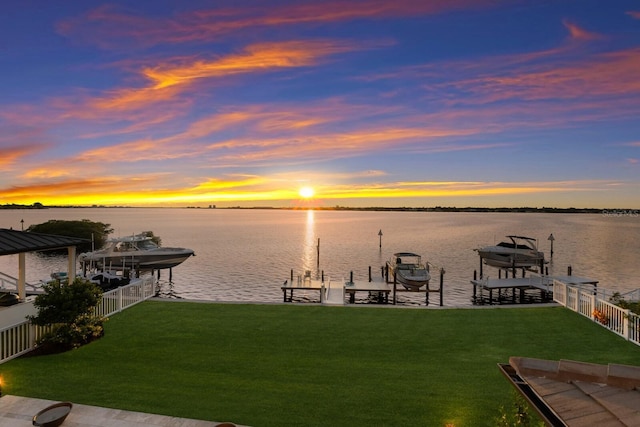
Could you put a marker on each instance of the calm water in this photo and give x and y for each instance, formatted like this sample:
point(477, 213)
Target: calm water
point(245, 255)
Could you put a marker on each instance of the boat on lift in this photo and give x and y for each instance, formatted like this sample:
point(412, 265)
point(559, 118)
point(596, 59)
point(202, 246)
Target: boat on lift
point(517, 252)
point(409, 270)
point(134, 252)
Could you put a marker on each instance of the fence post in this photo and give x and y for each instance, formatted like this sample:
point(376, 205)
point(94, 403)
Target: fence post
point(625, 324)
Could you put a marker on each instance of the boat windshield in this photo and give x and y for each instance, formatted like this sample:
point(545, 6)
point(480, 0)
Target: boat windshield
point(406, 259)
point(147, 244)
point(129, 246)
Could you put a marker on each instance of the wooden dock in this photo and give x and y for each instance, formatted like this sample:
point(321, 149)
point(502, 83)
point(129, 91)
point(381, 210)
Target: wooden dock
point(427, 290)
point(522, 290)
point(379, 290)
point(302, 283)
point(332, 292)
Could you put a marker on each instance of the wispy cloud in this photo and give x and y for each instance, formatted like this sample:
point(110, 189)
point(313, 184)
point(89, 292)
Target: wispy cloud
point(110, 27)
point(9, 155)
point(634, 14)
point(255, 58)
point(579, 33)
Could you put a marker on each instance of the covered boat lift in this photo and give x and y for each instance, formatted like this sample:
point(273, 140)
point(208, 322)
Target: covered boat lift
point(21, 242)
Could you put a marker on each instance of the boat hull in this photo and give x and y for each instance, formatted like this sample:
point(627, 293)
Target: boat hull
point(412, 282)
point(409, 270)
point(497, 257)
point(143, 261)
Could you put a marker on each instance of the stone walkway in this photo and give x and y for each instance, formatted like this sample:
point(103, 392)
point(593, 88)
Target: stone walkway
point(18, 411)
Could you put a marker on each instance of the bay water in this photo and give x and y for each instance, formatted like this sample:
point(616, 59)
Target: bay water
point(246, 254)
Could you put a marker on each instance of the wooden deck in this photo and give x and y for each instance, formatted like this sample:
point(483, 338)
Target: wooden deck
point(377, 288)
point(334, 292)
point(521, 290)
point(572, 393)
point(307, 284)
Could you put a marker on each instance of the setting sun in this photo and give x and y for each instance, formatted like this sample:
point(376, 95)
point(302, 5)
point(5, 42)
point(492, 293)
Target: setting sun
point(306, 192)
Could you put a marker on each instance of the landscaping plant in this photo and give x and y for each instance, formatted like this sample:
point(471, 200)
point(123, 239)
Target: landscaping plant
point(68, 310)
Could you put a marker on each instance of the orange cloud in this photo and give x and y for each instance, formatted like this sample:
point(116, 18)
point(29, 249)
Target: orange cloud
point(110, 27)
point(596, 77)
point(257, 57)
point(11, 154)
point(455, 189)
point(578, 33)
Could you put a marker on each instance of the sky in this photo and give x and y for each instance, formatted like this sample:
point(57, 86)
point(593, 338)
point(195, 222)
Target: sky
point(371, 103)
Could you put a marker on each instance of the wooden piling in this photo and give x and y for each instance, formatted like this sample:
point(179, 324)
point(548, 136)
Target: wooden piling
point(441, 286)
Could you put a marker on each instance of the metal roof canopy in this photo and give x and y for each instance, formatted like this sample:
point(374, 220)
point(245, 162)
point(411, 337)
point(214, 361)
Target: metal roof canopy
point(15, 242)
point(21, 242)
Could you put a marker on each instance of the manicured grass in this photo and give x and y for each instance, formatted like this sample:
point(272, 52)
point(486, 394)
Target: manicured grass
point(293, 365)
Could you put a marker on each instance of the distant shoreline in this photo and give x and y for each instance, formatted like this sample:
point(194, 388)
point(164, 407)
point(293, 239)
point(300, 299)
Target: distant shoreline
point(606, 212)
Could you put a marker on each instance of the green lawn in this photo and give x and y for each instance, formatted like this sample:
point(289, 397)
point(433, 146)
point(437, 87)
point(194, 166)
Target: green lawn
point(306, 365)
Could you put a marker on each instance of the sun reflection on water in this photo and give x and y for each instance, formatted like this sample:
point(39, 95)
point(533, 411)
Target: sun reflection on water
point(309, 259)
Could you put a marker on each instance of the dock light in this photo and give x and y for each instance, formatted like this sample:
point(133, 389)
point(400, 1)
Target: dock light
point(0, 386)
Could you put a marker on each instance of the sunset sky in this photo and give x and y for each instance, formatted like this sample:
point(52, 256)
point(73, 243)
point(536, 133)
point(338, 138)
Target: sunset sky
point(415, 103)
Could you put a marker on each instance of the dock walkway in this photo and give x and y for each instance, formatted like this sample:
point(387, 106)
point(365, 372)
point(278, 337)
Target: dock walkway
point(535, 288)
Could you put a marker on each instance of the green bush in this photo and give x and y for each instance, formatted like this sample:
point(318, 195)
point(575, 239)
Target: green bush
point(619, 300)
point(95, 232)
point(70, 312)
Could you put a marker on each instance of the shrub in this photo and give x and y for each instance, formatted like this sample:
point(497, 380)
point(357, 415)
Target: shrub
point(69, 309)
point(621, 302)
point(84, 229)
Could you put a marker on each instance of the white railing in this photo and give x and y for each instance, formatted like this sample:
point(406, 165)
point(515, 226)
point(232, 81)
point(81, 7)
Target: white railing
point(10, 283)
point(18, 339)
point(124, 297)
point(588, 303)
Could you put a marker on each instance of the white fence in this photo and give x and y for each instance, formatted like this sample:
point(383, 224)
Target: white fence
point(20, 338)
point(587, 301)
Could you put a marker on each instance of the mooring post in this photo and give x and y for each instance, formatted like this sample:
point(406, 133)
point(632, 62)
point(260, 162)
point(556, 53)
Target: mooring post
point(318, 265)
point(569, 271)
point(394, 287)
point(322, 276)
point(351, 277)
point(292, 276)
point(442, 286)
point(370, 273)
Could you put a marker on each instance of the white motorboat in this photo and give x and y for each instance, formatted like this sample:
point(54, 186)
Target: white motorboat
point(517, 252)
point(134, 252)
point(409, 270)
